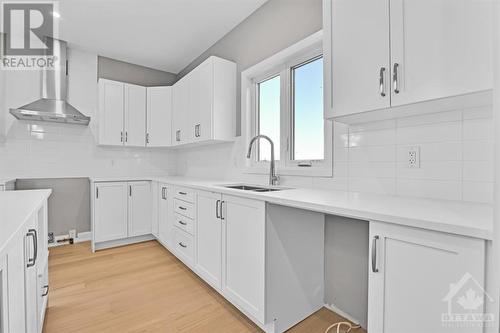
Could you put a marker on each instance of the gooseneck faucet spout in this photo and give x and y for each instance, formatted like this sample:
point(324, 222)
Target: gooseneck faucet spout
point(273, 179)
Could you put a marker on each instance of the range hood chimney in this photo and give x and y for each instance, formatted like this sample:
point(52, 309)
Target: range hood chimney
point(53, 106)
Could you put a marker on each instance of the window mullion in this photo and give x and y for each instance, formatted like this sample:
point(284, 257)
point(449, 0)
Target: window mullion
point(285, 116)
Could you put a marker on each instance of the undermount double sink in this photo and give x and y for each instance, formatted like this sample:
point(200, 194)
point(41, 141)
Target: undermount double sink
point(254, 188)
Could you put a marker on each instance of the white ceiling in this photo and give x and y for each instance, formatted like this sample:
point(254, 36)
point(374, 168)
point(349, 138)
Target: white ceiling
point(161, 34)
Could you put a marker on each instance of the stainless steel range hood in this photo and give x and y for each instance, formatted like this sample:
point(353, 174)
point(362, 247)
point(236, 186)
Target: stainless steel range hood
point(53, 106)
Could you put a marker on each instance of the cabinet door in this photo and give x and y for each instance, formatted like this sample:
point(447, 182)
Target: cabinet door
point(156, 196)
point(244, 249)
point(111, 108)
point(209, 238)
point(159, 116)
point(165, 207)
point(180, 111)
point(139, 208)
point(135, 115)
point(442, 48)
point(110, 211)
point(201, 102)
point(411, 273)
point(356, 56)
point(30, 275)
point(16, 265)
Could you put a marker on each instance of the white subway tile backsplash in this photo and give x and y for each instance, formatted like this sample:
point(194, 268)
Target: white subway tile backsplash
point(440, 132)
point(372, 169)
point(431, 170)
point(373, 154)
point(479, 150)
point(480, 171)
point(372, 138)
point(373, 185)
point(450, 190)
point(438, 151)
point(478, 191)
point(478, 129)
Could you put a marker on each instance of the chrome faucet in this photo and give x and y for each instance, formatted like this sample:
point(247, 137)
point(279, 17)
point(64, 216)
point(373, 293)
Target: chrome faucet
point(273, 179)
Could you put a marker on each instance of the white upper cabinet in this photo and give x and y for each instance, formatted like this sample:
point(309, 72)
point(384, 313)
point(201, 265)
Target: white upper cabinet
point(440, 48)
point(382, 54)
point(111, 101)
point(357, 61)
point(122, 114)
point(204, 103)
point(159, 117)
point(180, 102)
point(135, 115)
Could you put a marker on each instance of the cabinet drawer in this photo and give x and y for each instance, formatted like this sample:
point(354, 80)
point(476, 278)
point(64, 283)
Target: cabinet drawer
point(185, 194)
point(184, 246)
point(184, 208)
point(184, 223)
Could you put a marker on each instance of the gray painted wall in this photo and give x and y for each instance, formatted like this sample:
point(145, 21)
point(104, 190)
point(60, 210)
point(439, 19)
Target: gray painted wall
point(112, 69)
point(270, 29)
point(69, 204)
point(346, 266)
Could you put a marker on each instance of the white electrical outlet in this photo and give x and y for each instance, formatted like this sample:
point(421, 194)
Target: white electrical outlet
point(72, 233)
point(413, 157)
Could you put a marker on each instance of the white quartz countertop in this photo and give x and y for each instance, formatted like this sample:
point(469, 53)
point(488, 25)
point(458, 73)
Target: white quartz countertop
point(456, 217)
point(16, 207)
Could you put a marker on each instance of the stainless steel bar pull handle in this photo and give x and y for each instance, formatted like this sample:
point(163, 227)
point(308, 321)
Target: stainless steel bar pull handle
point(221, 210)
point(381, 81)
point(46, 291)
point(182, 208)
point(217, 215)
point(182, 223)
point(182, 245)
point(374, 254)
point(395, 78)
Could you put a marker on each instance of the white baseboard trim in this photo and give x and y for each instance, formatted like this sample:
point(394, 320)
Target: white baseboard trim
point(120, 242)
point(81, 237)
point(338, 311)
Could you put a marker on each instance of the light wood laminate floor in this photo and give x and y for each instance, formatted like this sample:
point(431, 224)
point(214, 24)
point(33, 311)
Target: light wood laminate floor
point(142, 288)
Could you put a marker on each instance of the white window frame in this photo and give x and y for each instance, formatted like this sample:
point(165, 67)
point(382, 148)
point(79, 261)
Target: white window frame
point(281, 64)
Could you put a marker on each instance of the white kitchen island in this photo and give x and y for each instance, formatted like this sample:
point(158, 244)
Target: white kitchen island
point(23, 260)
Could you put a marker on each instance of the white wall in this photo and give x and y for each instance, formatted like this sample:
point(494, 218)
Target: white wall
point(456, 158)
point(41, 149)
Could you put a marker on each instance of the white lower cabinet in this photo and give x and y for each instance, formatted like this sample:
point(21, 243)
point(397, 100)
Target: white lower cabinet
point(209, 238)
point(139, 208)
point(24, 278)
point(165, 206)
point(417, 277)
point(121, 211)
point(230, 251)
point(110, 211)
point(244, 254)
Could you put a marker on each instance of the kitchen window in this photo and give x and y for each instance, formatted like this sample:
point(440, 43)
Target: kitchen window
point(285, 102)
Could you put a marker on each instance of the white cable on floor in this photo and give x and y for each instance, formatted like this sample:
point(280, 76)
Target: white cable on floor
point(340, 323)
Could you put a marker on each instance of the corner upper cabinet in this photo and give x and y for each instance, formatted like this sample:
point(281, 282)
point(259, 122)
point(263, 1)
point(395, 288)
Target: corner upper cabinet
point(122, 114)
point(159, 117)
point(205, 103)
point(382, 54)
point(111, 104)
